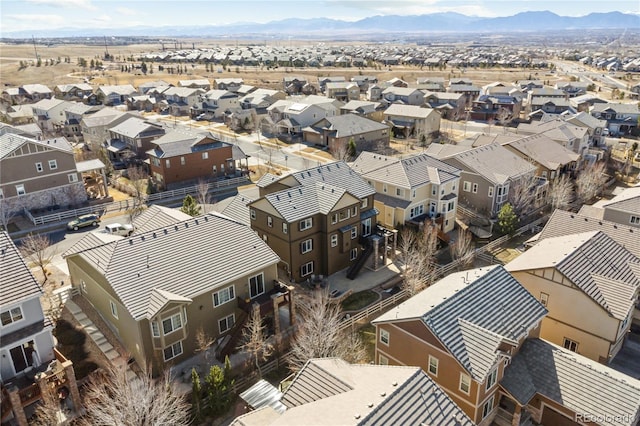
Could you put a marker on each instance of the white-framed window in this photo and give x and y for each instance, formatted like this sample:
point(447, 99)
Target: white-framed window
point(306, 246)
point(334, 240)
point(487, 407)
point(383, 360)
point(465, 383)
point(39, 167)
point(83, 286)
point(384, 336)
point(492, 378)
point(306, 269)
point(256, 285)
point(413, 194)
point(269, 221)
point(306, 223)
point(433, 365)
point(265, 238)
point(416, 211)
point(354, 232)
point(285, 228)
point(214, 169)
point(434, 189)
point(222, 168)
point(634, 220)
point(466, 186)
point(167, 164)
point(344, 215)
point(12, 315)
point(366, 227)
point(365, 202)
point(53, 164)
point(334, 218)
point(205, 155)
point(72, 177)
point(155, 329)
point(223, 296)
point(114, 309)
point(252, 212)
point(544, 299)
point(172, 351)
point(570, 344)
point(171, 324)
point(451, 205)
point(399, 192)
point(182, 161)
point(354, 211)
point(491, 191)
point(353, 254)
point(20, 189)
point(226, 323)
point(443, 208)
point(474, 189)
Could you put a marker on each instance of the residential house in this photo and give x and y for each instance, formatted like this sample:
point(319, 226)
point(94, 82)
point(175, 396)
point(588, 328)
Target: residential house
point(575, 138)
point(203, 84)
point(228, 84)
point(134, 134)
point(217, 103)
point(343, 91)
point(115, 95)
point(462, 331)
point(489, 176)
point(289, 117)
point(595, 127)
point(572, 88)
point(397, 82)
point(540, 385)
point(367, 109)
point(179, 287)
point(540, 104)
point(589, 283)
point(95, 127)
point(451, 106)
point(182, 100)
point(337, 132)
point(30, 366)
point(551, 158)
point(18, 115)
point(410, 121)
point(143, 88)
point(624, 208)
point(364, 81)
point(74, 114)
point(585, 102)
point(431, 84)
point(496, 108)
point(261, 99)
point(49, 114)
point(313, 219)
point(322, 81)
point(332, 392)
point(180, 156)
point(38, 174)
point(293, 85)
point(544, 92)
point(411, 189)
point(622, 119)
point(469, 91)
point(79, 92)
point(145, 103)
point(36, 92)
point(529, 85)
point(13, 96)
point(374, 92)
point(403, 96)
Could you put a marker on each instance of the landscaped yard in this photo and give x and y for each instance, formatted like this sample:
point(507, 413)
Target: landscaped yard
point(359, 300)
point(368, 336)
point(72, 344)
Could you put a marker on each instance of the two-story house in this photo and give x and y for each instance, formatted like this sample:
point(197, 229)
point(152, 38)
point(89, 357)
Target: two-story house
point(179, 286)
point(367, 109)
point(203, 84)
point(343, 91)
point(411, 189)
point(37, 174)
point(595, 127)
point(449, 105)
point(181, 100)
point(313, 219)
point(74, 114)
point(403, 95)
point(49, 113)
point(336, 132)
point(551, 158)
point(217, 103)
point(322, 81)
point(36, 92)
point(95, 127)
point(469, 91)
point(462, 331)
point(412, 121)
point(624, 208)
point(363, 81)
point(621, 118)
point(30, 366)
point(135, 134)
point(293, 85)
point(540, 105)
point(79, 92)
point(572, 88)
point(290, 117)
point(589, 283)
point(261, 99)
point(491, 107)
point(228, 84)
point(183, 156)
point(115, 95)
point(571, 136)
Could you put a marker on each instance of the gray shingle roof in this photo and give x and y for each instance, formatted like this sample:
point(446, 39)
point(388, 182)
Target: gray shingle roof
point(618, 108)
point(349, 125)
point(544, 151)
point(16, 281)
point(133, 127)
point(237, 209)
point(412, 111)
point(338, 174)
point(172, 259)
point(306, 200)
point(157, 217)
point(182, 142)
point(494, 162)
point(471, 313)
point(576, 382)
point(592, 261)
point(628, 201)
point(9, 142)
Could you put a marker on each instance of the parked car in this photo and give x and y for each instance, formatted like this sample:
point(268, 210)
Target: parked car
point(83, 221)
point(118, 229)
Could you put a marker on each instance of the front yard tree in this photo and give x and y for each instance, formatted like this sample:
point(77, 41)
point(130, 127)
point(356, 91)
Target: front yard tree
point(254, 338)
point(319, 334)
point(138, 178)
point(202, 193)
point(418, 248)
point(507, 219)
point(190, 206)
point(461, 247)
point(560, 192)
point(38, 248)
point(590, 181)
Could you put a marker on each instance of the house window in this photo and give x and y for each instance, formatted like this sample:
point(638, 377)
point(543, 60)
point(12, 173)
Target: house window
point(354, 211)
point(399, 192)
point(205, 155)
point(384, 337)
point(11, 316)
point(334, 240)
point(366, 227)
point(306, 246)
point(433, 365)
point(451, 205)
point(22, 356)
point(487, 407)
point(256, 285)
point(475, 188)
point(226, 323)
point(171, 324)
point(570, 344)
point(544, 299)
point(384, 188)
point(353, 254)
point(222, 168)
point(334, 218)
point(343, 215)
point(466, 186)
point(53, 164)
point(269, 221)
point(155, 329)
point(223, 296)
point(492, 378)
point(453, 188)
point(83, 286)
point(491, 191)
point(182, 161)
point(416, 211)
point(285, 228)
point(354, 232)
point(72, 177)
point(39, 167)
point(265, 238)
point(167, 164)
point(252, 212)
point(434, 190)
point(306, 269)
point(214, 169)
point(465, 383)
point(634, 220)
point(20, 189)
point(364, 203)
point(172, 351)
point(114, 309)
point(383, 360)
point(306, 223)
point(413, 194)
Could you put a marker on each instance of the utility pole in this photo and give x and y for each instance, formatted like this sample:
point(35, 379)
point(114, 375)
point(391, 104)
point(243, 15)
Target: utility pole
point(34, 46)
point(106, 49)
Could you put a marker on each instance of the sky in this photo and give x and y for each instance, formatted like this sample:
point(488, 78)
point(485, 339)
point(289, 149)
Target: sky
point(19, 15)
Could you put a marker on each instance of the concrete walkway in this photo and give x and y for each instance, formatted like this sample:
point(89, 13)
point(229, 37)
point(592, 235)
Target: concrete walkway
point(96, 335)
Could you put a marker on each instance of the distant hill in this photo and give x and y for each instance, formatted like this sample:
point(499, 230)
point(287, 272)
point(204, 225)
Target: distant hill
point(437, 22)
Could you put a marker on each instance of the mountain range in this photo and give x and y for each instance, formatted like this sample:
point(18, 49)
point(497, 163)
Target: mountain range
point(318, 27)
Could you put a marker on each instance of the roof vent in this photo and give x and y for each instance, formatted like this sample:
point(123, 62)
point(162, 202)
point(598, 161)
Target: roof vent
point(197, 223)
point(154, 235)
point(130, 242)
point(186, 224)
point(357, 416)
point(142, 237)
point(370, 405)
point(176, 227)
point(394, 384)
point(165, 231)
point(383, 394)
point(206, 218)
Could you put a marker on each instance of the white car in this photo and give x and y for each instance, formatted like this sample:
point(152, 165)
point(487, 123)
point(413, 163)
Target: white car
point(118, 229)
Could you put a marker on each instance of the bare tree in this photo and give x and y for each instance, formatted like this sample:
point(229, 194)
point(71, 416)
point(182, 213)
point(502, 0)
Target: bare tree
point(560, 192)
point(461, 247)
point(590, 181)
point(8, 210)
point(202, 195)
point(522, 194)
point(112, 399)
point(38, 248)
point(48, 411)
point(203, 342)
point(418, 249)
point(320, 336)
point(255, 339)
point(341, 152)
point(138, 178)
point(504, 118)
